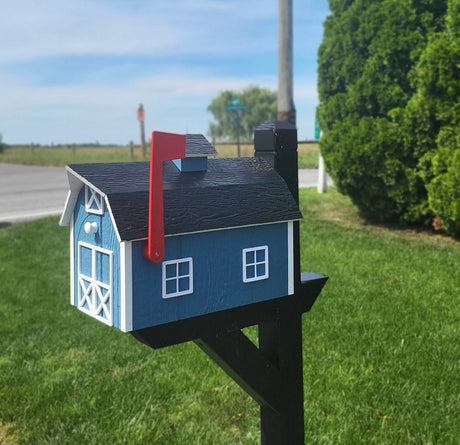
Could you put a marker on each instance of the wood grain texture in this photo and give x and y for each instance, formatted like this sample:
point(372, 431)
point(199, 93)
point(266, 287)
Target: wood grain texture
point(280, 339)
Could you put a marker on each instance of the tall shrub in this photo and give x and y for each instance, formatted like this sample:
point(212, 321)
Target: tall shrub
point(366, 69)
point(438, 101)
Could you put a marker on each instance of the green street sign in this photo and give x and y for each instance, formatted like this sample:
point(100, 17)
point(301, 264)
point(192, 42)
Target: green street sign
point(317, 130)
point(235, 107)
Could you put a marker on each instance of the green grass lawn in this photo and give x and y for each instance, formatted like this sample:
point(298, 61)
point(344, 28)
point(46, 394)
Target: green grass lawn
point(62, 155)
point(381, 348)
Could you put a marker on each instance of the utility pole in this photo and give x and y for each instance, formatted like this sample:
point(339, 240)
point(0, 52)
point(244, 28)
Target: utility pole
point(286, 108)
point(141, 118)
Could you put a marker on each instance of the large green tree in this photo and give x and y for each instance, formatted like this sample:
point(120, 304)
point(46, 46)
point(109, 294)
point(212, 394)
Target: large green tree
point(366, 78)
point(261, 106)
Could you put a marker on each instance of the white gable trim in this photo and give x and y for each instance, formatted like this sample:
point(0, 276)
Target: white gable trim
point(76, 182)
point(75, 186)
point(72, 196)
point(73, 176)
point(126, 286)
point(72, 264)
point(68, 208)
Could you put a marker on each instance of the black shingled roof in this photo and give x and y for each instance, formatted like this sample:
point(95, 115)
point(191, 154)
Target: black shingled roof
point(231, 193)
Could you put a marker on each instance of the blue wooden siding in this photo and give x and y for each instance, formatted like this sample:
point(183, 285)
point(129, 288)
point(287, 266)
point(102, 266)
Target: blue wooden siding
point(217, 274)
point(104, 238)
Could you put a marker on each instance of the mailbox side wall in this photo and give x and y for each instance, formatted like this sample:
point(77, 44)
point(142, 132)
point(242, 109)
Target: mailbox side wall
point(217, 273)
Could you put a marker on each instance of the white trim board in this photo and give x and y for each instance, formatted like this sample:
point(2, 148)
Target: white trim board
point(126, 286)
point(289, 221)
point(72, 263)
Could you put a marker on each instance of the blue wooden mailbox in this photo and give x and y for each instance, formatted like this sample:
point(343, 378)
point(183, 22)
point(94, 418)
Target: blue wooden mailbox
point(189, 247)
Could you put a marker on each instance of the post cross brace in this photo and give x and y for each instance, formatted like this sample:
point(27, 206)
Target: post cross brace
point(242, 361)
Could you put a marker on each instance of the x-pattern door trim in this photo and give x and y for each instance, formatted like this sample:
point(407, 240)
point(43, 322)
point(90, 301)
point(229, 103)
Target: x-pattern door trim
point(94, 295)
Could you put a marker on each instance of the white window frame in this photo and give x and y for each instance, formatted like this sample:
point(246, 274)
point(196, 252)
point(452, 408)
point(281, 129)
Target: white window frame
point(89, 287)
point(93, 197)
point(255, 263)
point(176, 277)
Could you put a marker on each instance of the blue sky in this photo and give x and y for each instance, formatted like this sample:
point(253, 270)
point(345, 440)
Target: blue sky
point(76, 70)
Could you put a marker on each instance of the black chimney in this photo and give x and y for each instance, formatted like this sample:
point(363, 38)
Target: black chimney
point(277, 143)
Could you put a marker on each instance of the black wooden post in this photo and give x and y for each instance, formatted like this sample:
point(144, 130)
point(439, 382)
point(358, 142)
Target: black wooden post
point(280, 340)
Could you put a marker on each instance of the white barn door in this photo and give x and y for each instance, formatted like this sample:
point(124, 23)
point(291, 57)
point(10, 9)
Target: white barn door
point(95, 291)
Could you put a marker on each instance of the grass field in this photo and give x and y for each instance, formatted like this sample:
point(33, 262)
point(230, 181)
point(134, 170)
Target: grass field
point(381, 348)
point(62, 155)
point(308, 153)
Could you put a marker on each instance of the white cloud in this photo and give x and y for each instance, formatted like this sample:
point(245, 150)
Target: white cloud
point(44, 28)
point(57, 27)
point(101, 105)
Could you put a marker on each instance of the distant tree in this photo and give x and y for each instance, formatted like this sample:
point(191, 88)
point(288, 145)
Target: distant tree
point(261, 106)
point(2, 146)
point(366, 78)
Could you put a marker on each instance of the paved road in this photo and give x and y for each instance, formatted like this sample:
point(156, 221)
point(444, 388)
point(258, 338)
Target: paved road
point(309, 178)
point(29, 192)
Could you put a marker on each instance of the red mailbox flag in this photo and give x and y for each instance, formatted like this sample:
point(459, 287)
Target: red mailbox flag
point(165, 147)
